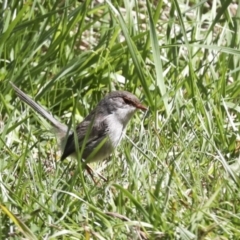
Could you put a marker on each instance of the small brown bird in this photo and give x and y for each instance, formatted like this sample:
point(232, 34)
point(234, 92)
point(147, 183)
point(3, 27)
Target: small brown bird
point(104, 125)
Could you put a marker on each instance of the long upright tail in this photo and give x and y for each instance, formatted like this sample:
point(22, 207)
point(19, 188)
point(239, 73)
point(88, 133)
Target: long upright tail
point(61, 128)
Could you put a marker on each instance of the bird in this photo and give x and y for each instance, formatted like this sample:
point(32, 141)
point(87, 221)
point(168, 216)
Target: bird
point(100, 132)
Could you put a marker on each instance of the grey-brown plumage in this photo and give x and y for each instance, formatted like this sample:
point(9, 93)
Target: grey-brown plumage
point(105, 124)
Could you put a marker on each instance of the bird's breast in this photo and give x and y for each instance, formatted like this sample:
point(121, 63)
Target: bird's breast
point(115, 130)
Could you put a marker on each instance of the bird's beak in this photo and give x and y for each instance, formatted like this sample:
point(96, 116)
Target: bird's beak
point(142, 107)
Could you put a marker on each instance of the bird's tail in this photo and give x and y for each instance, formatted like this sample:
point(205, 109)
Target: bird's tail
point(60, 128)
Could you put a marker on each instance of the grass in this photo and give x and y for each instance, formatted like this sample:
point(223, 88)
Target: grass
point(176, 174)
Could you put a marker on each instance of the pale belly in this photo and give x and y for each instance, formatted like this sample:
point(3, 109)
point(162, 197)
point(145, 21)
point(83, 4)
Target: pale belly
point(111, 141)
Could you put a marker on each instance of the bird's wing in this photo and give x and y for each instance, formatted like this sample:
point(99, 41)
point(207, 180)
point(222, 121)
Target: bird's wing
point(97, 132)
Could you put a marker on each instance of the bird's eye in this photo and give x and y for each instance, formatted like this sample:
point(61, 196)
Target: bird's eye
point(127, 101)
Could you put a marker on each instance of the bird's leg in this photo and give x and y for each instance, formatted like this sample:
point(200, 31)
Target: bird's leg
point(91, 171)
